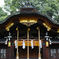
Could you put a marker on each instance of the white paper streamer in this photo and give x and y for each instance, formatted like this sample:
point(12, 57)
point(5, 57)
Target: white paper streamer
point(40, 44)
point(6, 41)
point(32, 44)
point(15, 43)
point(23, 44)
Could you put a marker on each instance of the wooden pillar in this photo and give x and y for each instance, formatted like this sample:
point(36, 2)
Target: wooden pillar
point(39, 55)
point(8, 56)
point(12, 52)
point(28, 43)
point(44, 50)
point(47, 51)
point(17, 53)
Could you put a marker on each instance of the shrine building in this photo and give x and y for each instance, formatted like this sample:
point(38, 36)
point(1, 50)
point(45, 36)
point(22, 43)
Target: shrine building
point(28, 34)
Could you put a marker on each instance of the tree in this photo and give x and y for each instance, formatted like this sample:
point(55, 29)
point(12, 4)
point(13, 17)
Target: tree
point(46, 7)
point(2, 14)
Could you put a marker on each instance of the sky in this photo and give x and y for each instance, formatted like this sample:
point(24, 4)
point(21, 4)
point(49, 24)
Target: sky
point(2, 3)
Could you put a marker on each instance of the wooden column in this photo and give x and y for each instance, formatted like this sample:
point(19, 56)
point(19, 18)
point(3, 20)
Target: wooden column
point(39, 55)
point(17, 53)
point(44, 50)
point(28, 43)
point(47, 51)
point(12, 52)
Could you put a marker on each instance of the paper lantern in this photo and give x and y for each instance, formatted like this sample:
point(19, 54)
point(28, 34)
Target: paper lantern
point(47, 43)
point(9, 44)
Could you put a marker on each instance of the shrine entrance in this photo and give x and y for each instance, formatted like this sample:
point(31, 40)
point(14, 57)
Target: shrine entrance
point(28, 48)
point(28, 35)
point(33, 53)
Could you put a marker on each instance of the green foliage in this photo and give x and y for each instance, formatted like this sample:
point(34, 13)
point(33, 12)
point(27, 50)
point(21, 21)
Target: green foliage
point(49, 7)
point(2, 18)
point(2, 13)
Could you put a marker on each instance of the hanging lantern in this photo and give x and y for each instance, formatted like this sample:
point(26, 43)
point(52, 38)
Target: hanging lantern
point(47, 43)
point(9, 44)
point(23, 44)
point(9, 37)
